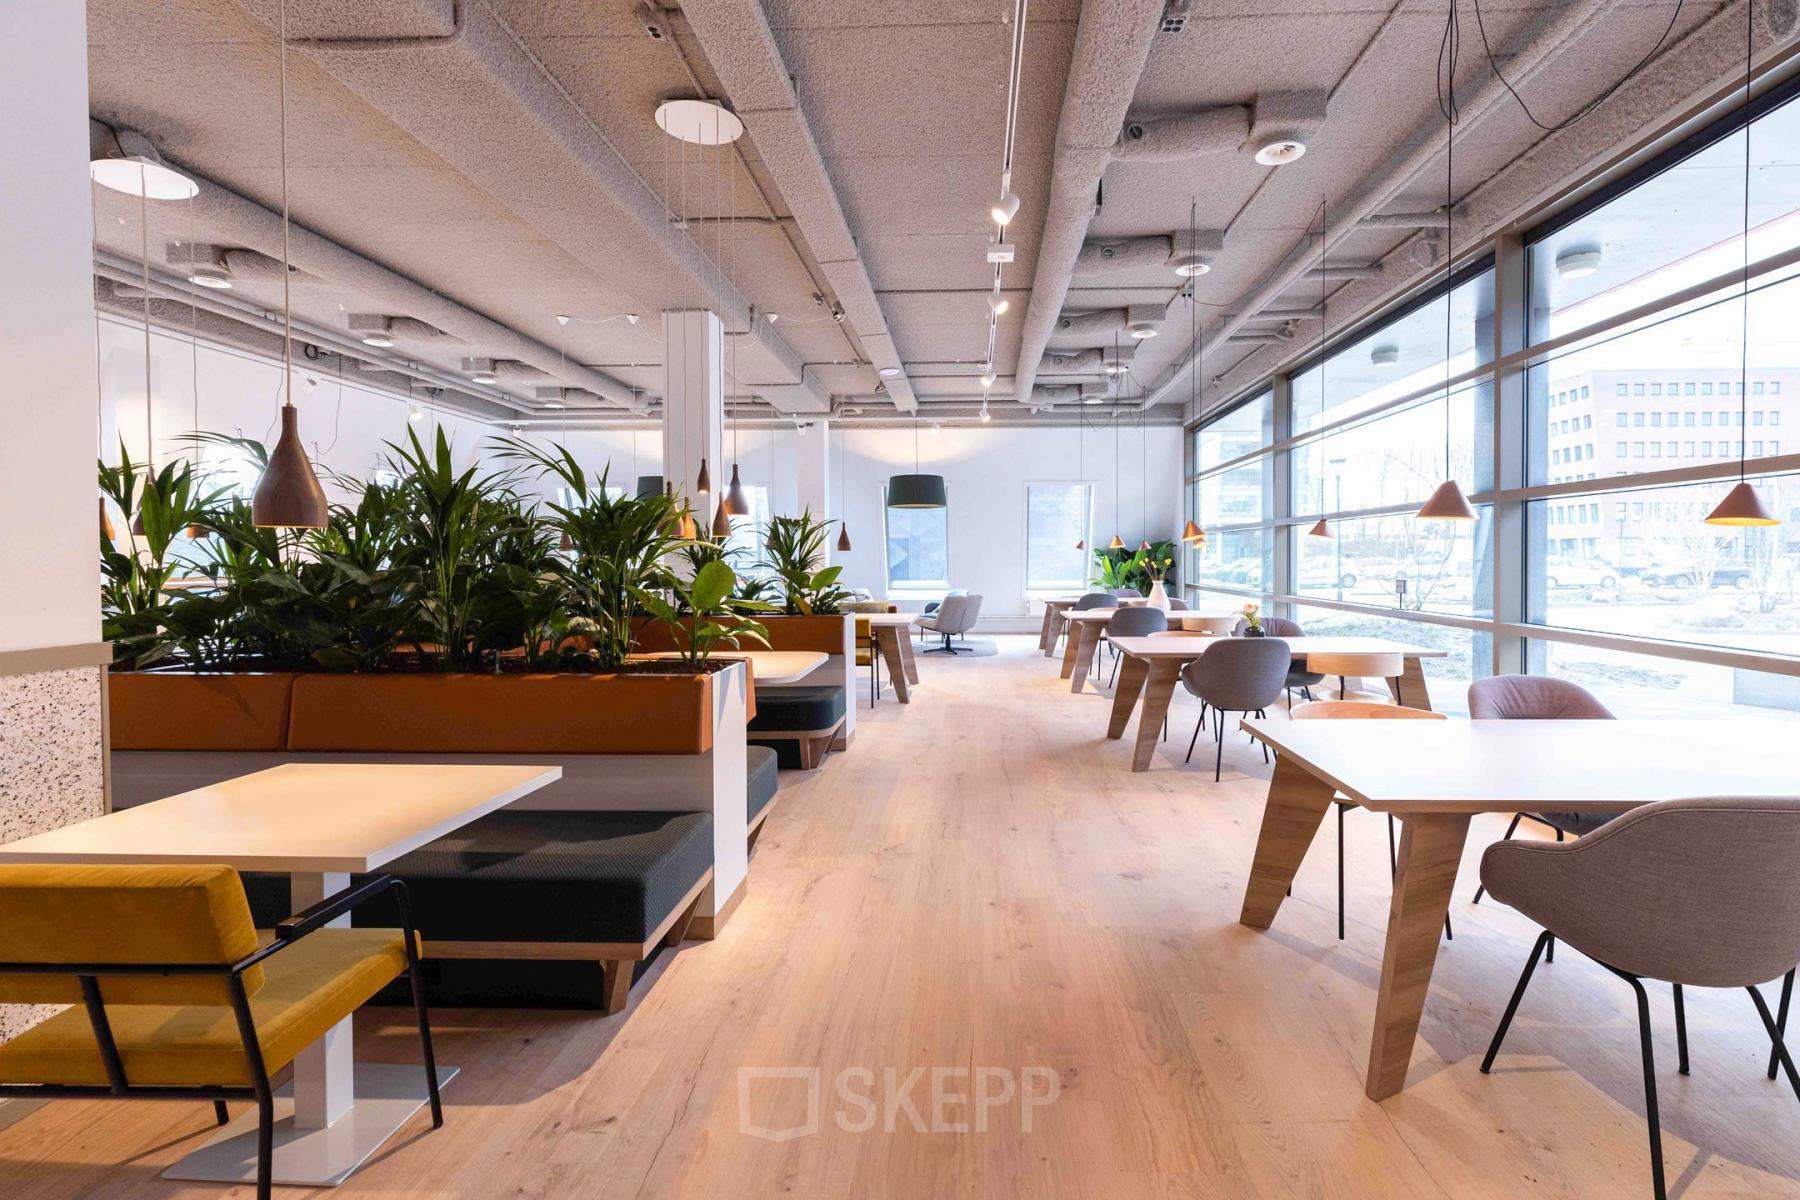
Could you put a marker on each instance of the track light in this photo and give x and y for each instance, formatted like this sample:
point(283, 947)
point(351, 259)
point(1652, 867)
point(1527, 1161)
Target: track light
point(414, 413)
point(984, 412)
point(997, 303)
point(988, 376)
point(1005, 209)
point(380, 341)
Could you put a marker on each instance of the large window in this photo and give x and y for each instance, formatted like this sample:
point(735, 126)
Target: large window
point(1649, 372)
point(1057, 527)
point(918, 547)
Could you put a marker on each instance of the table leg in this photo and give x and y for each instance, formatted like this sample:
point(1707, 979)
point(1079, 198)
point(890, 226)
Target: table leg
point(1297, 802)
point(1071, 645)
point(1132, 673)
point(1159, 688)
point(1044, 629)
point(888, 638)
point(906, 658)
point(1411, 690)
point(1431, 846)
point(334, 1115)
point(1084, 656)
point(1057, 620)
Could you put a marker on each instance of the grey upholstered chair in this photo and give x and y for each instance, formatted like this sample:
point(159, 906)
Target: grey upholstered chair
point(954, 616)
point(1691, 892)
point(1177, 604)
point(1128, 593)
point(1237, 675)
point(1539, 698)
point(1133, 622)
point(1097, 600)
point(1299, 678)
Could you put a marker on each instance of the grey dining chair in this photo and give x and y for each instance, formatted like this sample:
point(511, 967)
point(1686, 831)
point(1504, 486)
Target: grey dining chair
point(1176, 604)
point(1299, 678)
point(1695, 893)
point(1237, 675)
point(1133, 622)
point(1128, 593)
point(1097, 600)
point(1539, 698)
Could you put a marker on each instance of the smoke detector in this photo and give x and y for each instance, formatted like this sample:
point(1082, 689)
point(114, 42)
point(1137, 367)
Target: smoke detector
point(1578, 262)
point(1141, 330)
point(1189, 265)
point(699, 122)
point(1280, 152)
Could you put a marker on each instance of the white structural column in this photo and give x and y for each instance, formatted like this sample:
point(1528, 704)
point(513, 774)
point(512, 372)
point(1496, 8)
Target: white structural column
point(812, 474)
point(694, 405)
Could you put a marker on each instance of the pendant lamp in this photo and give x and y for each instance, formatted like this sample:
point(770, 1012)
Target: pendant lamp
point(703, 485)
point(721, 526)
point(1193, 534)
point(1448, 503)
point(917, 490)
point(1117, 543)
point(1321, 529)
point(565, 543)
point(288, 495)
point(137, 523)
point(736, 503)
point(688, 530)
point(1144, 545)
point(843, 542)
point(1742, 505)
point(106, 526)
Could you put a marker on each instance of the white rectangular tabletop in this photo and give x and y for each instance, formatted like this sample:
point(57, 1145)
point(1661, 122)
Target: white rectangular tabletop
point(766, 666)
point(300, 818)
point(1537, 766)
point(1193, 647)
point(882, 619)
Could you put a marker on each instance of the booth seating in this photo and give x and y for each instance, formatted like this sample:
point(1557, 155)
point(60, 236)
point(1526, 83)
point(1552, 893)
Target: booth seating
point(762, 781)
point(798, 723)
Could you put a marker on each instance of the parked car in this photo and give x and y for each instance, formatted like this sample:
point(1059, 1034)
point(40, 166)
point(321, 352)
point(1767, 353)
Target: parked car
point(1679, 574)
point(1579, 573)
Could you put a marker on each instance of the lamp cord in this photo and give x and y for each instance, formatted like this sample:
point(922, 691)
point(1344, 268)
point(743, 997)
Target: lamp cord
point(287, 307)
point(1744, 331)
point(1451, 45)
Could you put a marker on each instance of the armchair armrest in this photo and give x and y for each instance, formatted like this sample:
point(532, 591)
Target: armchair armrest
point(331, 908)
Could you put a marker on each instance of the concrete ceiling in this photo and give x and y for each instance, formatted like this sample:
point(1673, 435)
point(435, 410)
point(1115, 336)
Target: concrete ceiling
point(501, 157)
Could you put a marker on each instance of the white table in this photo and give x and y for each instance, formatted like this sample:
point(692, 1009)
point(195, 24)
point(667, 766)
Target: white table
point(771, 667)
point(1056, 610)
point(319, 823)
point(1435, 775)
point(893, 638)
point(1153, 664)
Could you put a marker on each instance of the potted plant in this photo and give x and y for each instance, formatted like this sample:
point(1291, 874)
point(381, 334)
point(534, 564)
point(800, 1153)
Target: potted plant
point(795, 547)
point(706, 614)
point(1253, 620)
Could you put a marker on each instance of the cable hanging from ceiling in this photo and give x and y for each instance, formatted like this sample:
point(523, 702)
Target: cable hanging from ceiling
point(1585, 110)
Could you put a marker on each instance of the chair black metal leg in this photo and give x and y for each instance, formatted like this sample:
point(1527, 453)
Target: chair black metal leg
point(1512, 1007)
point(1781, 1050)
point(265, 1144)
point(431, 1072)
point(1195, 740)
point(1219, 759)
point(1340, 809)
point(1559, 835)
point(1787, 995)
point(1650, 1113)
point(1681, 1030)
point(1449, 933)
point(1265, 746)
point(221, 1114)
point(1506, 837)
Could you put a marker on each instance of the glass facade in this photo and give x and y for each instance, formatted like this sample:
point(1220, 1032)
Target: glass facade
point(1641, 381)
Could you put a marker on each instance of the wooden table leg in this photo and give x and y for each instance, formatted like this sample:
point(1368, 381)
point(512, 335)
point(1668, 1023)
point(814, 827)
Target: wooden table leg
point(1412, 691)
point(1071, 646)
point(1056, 621)
point(906, 656)
point(1431, 846)
point(1159, 688)
point(889, 638)
point(1132, 673)
point(1090, 633)
point(1044, 629)
point(1298, 801)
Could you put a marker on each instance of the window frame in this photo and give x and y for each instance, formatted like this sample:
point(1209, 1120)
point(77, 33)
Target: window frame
point(909, 586)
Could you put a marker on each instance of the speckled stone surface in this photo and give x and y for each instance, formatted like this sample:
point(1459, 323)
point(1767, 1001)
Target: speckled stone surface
point(50, 766)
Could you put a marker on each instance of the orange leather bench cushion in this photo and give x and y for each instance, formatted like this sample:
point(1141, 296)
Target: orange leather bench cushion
point(155, 711)
point(504, 714)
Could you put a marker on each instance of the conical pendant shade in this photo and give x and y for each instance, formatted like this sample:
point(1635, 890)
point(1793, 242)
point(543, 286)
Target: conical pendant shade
point(565, 542)
point(736, 504)
point(137, 523)
point(1741, 506)
point(1192, 533)
point(195, 532)
point(289, 496)
point(1144, 545)
point(1082, 544)
point(1447, 504)
point(1321, 529)
point(721, 527)
point(843, 542)
point(1118, 543)
point(106, 526)
point(688, 529)
point(703, 485)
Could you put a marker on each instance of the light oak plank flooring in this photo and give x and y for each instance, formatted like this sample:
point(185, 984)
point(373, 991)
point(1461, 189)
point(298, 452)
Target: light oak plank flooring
point(979, 886)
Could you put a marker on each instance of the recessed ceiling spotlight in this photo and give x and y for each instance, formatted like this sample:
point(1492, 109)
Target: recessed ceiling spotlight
point(890, 372)
point(1578, 263)
point(1189, 265)
point(553, 404)
point(562, 318)
point(483, 377)
point(1004, 209)
point(1384, 356)
point(210, 277)
point(699, 122)
point(1141, 330)
point(380, 341)
point(1280, 152)
point(1091, 400)
point(140, 175)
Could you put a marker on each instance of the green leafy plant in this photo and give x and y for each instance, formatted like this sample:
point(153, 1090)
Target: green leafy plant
point(1136, 568)
point(157, 508)
point(704, 614)
point(795, 547)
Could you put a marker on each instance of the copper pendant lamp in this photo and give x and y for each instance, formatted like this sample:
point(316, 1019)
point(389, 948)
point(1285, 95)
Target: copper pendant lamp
point(288, 495)
point(1320, 529)
point(1448, 503)
point(106, 526)
point(721, 526)
point(736, 503)
point(703, 485)
point(843, 542)
point(1117, 543)
point(1193, 533)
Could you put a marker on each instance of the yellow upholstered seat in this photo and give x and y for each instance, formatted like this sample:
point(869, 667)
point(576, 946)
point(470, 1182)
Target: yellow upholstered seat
point(307, 988)
point(865, 642)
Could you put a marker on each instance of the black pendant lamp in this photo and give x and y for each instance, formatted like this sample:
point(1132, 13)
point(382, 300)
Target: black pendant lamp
point(917, 490)
point(649, 486)
point(1742, 505)
point(288, 495)
point(843, 542)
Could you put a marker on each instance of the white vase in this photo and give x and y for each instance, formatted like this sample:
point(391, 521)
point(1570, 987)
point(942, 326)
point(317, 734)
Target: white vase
point(1158, 597)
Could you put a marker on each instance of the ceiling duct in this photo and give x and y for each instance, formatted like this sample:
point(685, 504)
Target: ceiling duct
point(1345, 273)
point(1437, 218)
point(1183, 136)
point(226, 216)
point(1102, 323)
point(1286, 118)
point(1077, 362)
point(1122, 256)
point(426, 65)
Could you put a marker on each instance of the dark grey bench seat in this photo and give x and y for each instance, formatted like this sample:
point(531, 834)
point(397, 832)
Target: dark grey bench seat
point(763, 778)
point(798, 723)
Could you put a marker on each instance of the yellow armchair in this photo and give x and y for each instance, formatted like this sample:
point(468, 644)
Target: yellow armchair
point(176, 997)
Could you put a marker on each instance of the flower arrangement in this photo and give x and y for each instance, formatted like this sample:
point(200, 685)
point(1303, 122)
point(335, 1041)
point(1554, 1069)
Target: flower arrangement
point(1253, 619)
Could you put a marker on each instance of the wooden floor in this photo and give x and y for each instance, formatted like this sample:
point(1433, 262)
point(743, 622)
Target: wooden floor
point(982, 889)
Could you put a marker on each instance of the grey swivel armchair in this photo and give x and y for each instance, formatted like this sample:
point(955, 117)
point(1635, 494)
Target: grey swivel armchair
point(956, 615)
point(1237, 675)
point(1694, 893)
point(1539, 698)
point(1134, 622)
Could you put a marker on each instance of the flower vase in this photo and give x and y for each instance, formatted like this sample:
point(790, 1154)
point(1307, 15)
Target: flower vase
point(1254, 631)
point(1159, 598)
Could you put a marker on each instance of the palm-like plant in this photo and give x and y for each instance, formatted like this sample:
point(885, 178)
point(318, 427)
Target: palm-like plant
point(705, 615)
point(795, 547)
point(134, 595)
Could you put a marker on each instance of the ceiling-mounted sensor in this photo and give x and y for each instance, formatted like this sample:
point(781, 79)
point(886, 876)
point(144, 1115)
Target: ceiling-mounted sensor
point(699, 122)
point(653, 21)
point(1578, 262)
point(1189, 265)
point(1280, 152)
point(208, 276)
